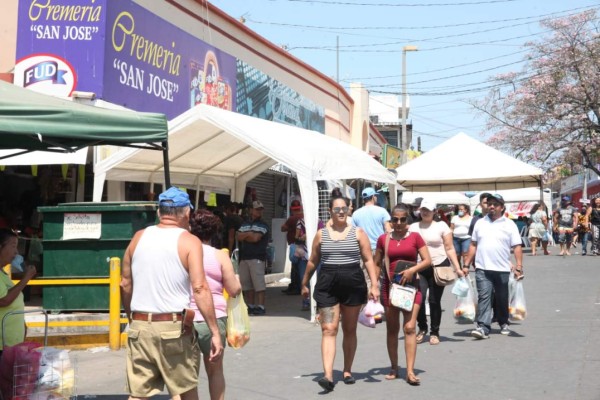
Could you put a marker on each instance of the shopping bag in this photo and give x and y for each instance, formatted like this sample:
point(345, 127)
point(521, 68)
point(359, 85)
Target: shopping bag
point(517, 309)
point(461, 287)
point(19, 370)
point(465, 307)
point(371, 314)
point(238, 323)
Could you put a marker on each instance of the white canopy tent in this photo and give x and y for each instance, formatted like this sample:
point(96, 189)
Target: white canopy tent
point(437, 197)
point(463, 163)
point(218, 148)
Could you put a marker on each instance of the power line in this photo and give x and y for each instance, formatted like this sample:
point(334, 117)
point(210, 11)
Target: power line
point(345, 3)
point(387, 28)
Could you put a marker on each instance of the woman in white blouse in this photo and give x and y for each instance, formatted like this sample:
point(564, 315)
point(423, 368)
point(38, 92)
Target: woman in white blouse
point(460, 231)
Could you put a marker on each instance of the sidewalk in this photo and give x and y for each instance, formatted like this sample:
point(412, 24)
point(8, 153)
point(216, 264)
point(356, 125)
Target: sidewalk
point(553, 354)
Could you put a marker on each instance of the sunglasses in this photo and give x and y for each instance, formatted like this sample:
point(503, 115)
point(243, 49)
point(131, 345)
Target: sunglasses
point(338, 210)
point(395, 220)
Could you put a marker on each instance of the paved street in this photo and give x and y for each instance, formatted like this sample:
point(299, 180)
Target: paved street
point(553, 354)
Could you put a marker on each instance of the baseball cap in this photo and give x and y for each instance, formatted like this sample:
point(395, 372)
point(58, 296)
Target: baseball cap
point(566, 198)
point(368, 192)
point(295, 205)
point(257, 204)
point(496, 197)
point(428, 204)
point(417, 202)
point(174, 197)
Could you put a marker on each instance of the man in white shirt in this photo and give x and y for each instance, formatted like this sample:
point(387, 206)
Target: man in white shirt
point(493, 238)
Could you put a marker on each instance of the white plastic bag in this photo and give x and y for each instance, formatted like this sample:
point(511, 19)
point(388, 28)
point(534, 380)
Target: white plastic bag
point(371, 314)
point(465, 307)
point(461, 287)
point(517, 308)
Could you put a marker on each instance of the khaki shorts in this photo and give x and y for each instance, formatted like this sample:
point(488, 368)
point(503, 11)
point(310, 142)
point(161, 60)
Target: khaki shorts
point(205, 337)
point(252, 275)
point(159, 355)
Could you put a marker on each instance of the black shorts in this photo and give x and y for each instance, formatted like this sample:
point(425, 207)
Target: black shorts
point(340, 284)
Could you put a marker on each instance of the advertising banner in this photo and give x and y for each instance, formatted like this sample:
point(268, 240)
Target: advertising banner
point(152, 65)
point(261, 96)
point(60, 46)
point(122, 53)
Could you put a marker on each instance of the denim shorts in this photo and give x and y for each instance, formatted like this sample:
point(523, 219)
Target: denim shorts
point(461, 246)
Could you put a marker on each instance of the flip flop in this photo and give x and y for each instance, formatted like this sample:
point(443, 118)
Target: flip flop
point(349, 380)
point(420, 337)
point(392, 375)
point(413, 380)
point(433, 340)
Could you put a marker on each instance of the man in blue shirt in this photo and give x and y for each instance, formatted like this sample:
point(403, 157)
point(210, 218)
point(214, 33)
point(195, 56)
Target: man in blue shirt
point(253, 239)
point(374, 220)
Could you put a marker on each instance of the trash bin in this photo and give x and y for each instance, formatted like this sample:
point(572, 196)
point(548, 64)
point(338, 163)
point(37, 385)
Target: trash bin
point(79, 239)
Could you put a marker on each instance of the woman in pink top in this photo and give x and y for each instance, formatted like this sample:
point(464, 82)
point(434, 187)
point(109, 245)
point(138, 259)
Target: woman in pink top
point(219, 274)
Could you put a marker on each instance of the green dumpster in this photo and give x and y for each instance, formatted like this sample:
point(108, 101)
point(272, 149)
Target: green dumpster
point(79, 239)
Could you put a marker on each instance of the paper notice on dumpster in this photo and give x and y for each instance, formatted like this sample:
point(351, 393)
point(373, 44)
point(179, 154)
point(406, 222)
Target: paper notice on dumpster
point(82, 226)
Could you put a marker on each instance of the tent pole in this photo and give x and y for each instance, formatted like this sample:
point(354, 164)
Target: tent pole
point(166, 164)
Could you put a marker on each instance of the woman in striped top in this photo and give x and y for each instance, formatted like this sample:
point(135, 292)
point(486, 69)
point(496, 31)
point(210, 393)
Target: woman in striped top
point(341, 289)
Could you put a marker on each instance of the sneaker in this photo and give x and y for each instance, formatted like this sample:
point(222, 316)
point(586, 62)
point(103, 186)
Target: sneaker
point(504, 330)
point(259, 311)
point(479, 333)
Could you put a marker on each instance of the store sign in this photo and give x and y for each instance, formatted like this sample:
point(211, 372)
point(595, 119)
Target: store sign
point(122, 53)
point(391, 156)
point(60, 45)
point(152, 65)
point(82, 226)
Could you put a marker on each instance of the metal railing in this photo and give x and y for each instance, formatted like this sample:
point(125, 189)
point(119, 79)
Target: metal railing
point(114, 302)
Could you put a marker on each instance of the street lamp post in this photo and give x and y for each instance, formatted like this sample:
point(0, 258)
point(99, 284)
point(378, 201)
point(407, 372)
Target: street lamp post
point(404, 144)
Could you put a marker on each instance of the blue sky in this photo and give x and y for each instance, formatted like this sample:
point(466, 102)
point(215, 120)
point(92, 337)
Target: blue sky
point(462, 43)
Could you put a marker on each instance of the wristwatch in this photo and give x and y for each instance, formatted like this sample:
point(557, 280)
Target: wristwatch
point(519, 270)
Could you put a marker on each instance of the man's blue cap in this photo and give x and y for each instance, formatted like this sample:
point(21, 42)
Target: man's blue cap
point(496, 196)
point(368, 192)
point(566, 198)
point(174, 197)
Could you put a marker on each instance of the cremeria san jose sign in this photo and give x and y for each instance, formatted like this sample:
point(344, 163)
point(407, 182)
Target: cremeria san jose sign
point(121, 52)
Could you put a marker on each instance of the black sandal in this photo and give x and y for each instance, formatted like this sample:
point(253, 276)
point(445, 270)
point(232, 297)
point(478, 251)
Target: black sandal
point(326, 384)
point(349, 380)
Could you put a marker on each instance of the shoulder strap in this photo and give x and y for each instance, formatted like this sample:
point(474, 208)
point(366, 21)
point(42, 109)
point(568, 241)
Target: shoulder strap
point(386, 257)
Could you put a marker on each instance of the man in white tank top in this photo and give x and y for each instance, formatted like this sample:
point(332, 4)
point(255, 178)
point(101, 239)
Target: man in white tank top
point(159, 266)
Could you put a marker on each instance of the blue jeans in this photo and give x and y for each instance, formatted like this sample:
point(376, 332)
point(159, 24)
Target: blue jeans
point(301, 270)
point(491, 284)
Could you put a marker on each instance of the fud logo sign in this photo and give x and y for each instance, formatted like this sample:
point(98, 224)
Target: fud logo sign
point(46, 73)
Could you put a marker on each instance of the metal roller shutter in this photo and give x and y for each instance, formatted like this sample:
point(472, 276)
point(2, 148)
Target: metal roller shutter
point(265, 192)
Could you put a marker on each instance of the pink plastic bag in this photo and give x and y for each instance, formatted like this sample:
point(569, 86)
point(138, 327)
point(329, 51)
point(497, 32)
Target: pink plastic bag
point(371, 314)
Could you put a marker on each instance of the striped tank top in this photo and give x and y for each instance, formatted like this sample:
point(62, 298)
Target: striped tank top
point(340, 252)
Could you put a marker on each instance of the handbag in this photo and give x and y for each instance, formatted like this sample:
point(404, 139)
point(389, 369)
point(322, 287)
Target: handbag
point(402, 297)
point(443, 274)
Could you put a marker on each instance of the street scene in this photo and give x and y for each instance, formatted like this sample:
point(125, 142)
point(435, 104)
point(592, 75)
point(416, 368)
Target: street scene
point(292, 199)
point(552, 354)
